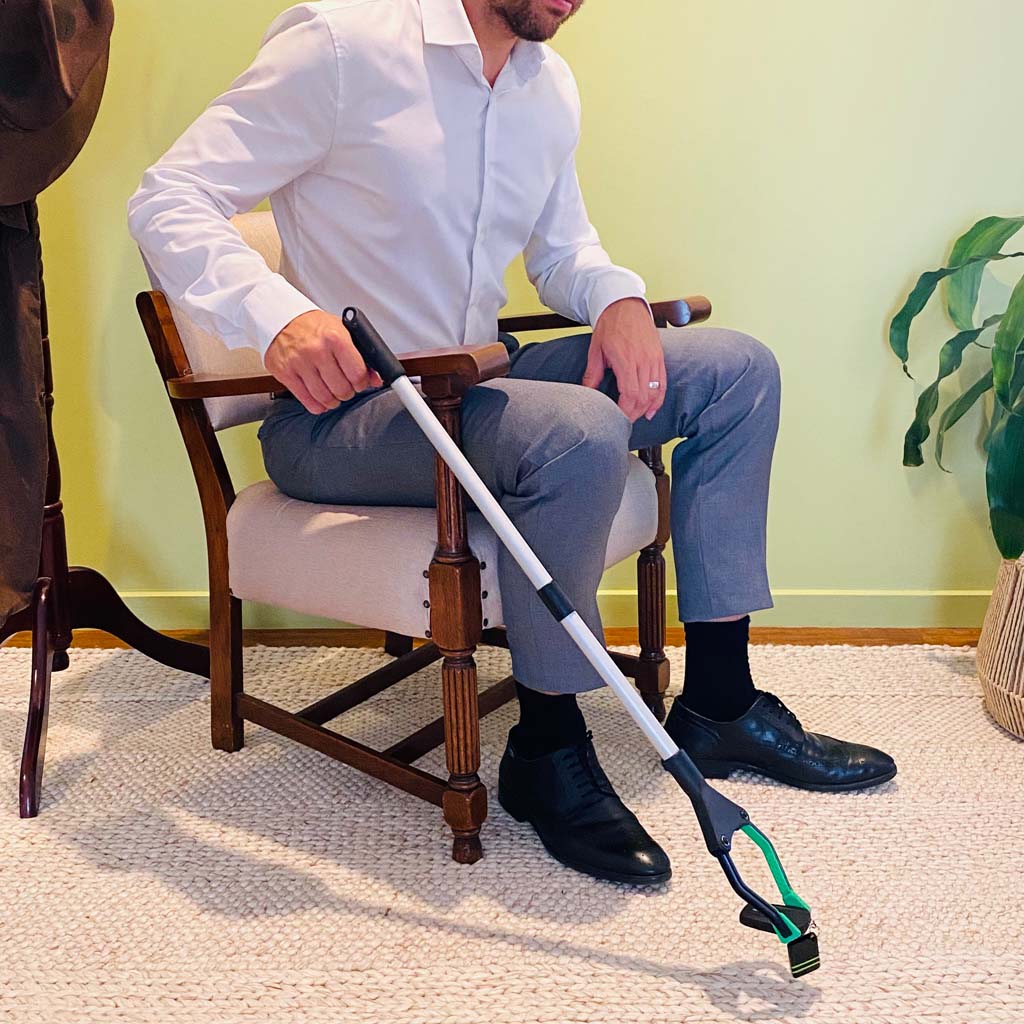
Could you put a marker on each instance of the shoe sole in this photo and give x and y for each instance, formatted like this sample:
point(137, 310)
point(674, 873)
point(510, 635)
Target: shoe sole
point(723, 769)
point(643, 881)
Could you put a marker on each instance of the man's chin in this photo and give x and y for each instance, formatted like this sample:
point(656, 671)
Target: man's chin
point(543, 29)
point(526, 22)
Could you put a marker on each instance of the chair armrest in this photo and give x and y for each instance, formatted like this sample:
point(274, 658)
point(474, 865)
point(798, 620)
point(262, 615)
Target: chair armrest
point(222, 385)
point(675, 313)
point(471, 364)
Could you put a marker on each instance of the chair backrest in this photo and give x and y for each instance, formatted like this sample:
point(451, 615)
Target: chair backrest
point(208, 354)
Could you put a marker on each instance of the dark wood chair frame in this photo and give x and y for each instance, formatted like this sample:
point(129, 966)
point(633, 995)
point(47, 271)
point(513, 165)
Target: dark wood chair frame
point(456, 626)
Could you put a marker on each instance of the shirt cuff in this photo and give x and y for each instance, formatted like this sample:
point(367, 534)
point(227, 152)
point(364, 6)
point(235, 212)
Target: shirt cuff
point(269, 308)
point(610, 288)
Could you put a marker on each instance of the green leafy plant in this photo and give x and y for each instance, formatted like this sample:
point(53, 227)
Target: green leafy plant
point(1004, 440)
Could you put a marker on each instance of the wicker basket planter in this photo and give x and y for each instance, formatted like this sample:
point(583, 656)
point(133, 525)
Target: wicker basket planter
point(1001, 649)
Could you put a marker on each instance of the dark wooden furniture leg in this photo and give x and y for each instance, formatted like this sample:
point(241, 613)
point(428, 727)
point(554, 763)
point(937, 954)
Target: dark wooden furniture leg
point(95, 604)
point(75, 598)
point(652, 670)
point(80, 597)
point(34, 750)
point(456, 625)
point(396, 645)
point(227, 729)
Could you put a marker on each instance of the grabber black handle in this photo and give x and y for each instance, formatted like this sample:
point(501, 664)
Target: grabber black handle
point(371, 346)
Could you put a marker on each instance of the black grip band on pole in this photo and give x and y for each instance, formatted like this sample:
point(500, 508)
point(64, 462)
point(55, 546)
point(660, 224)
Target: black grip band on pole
point(556, 600)
point(371, 346)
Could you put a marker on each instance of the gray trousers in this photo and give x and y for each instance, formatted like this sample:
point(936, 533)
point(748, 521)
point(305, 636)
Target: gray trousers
point(554, 453)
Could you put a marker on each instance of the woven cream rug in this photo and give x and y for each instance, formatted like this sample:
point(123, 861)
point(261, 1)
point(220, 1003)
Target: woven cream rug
point(166, 882)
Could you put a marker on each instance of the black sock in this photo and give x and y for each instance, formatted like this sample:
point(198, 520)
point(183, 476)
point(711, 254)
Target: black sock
point(717, 682)
point(547, 722)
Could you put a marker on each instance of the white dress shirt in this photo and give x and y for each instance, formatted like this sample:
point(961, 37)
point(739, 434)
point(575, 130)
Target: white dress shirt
point(401, 182)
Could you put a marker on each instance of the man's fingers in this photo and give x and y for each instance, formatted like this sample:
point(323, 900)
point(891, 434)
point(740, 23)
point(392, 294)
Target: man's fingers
point(655, 397)
point(301, 392)
point(663, 377)
point(317, 388)
point(336, 381)
point(315, 358)
point(630, 410)
point(595, 368)
point(629, 403)
point(348, 358)
point(645, 393)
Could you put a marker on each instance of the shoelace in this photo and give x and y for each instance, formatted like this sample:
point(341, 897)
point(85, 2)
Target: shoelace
point(587, 774)
point(777, 703)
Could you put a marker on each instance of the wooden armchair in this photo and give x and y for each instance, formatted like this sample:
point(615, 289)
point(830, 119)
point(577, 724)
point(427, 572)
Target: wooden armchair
point(421, 572)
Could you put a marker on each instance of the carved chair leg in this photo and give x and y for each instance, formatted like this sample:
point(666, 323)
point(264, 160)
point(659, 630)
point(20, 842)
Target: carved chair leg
point(652, 676)
point(396, 644)
point(226, 725)
point(456, 625)
point(34, 750)
point(465, 801)
point(455, 621)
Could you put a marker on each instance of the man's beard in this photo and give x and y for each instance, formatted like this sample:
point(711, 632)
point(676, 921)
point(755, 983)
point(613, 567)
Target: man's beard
point(523, 22)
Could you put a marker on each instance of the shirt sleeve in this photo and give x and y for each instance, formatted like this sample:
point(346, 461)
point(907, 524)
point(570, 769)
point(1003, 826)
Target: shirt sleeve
point(565, 261)
point(275, 121)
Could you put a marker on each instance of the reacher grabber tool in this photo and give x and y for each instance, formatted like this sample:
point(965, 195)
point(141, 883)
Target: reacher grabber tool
point(719, 818)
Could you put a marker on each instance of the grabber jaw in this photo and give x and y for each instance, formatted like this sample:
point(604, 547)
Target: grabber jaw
point(791, 920)
point(720, 819)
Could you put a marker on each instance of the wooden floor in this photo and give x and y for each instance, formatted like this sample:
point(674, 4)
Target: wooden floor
point(805, 635)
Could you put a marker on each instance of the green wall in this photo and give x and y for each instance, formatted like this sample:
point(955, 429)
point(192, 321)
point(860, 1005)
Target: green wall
point(796, 162)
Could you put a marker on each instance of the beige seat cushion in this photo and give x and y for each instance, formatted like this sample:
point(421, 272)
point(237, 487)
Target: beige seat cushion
point(364, 564)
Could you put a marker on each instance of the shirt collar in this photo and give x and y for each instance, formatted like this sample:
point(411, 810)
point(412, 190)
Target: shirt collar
point(445, 23)
point(529, 56)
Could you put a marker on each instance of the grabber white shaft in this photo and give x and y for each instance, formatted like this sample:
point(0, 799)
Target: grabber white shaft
point(550, 593)
point(718, 817)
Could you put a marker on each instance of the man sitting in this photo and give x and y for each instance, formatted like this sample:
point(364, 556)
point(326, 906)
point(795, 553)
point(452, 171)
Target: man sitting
point(412, 149)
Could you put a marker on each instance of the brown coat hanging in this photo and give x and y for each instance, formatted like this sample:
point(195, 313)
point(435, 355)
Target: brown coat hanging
point(53, 66)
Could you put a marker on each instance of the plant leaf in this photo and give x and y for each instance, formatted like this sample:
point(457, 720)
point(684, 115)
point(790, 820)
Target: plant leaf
point(1006, 348)
point(899, 329)
point(1004, 476)
point(955, 411)
point(1017, 387)
point(950, 357)
point(987, 236)
point(998, 415)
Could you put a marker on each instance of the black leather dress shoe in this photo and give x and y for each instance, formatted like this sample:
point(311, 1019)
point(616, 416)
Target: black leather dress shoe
point(770, 740)
point(580, 819)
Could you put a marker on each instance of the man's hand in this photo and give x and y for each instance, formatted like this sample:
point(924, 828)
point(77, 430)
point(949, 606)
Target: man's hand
point(626, 339)
point(316, 359)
